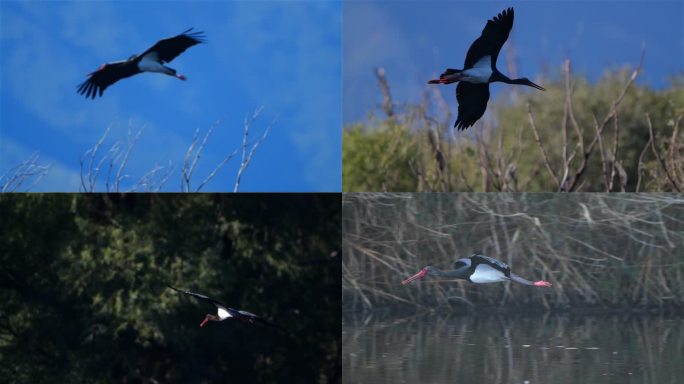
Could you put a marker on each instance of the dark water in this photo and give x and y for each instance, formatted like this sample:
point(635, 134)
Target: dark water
point(514, 349)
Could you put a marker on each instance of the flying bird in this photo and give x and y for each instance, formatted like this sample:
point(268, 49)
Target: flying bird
point(224, 312)
point(152, 60)
point(479, 70)
point(477, 269)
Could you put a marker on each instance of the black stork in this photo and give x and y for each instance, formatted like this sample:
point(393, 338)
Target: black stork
point(224, 312)
point(479, 70)
point(477, 269)
point(152, 60)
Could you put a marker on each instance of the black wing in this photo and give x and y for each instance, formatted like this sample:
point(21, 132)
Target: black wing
point(460, 263)
point(107, 75)
point(252, 318)
point(472, 102)
point(493, 37)
point(199, 296)
point(498, 264)
point(168, 49)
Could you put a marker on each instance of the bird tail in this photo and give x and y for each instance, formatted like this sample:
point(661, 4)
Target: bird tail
point(271, 324)
point(278, 327)
point(449, 76)
point(175, 289)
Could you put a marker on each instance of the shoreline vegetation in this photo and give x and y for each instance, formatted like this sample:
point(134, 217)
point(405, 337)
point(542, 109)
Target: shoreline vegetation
point(613, 135)
point(602, 252)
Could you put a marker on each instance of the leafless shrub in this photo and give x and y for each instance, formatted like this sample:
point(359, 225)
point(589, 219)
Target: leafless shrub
point(24, 176)
point(384, 87)
point(192, 156)
point(115, 161)
point(249, 148)
point(673, 176)
point(111, 165)
point(610, 164)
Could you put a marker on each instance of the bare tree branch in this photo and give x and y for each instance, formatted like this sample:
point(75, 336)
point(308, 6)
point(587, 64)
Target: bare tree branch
point(247, 155)
point(92, 155)
point(541, 146)
point(190, 166)
point(611, 114)
point(132, 140)
point(387, 97)
point(15, 178)
point(657, 154)
point(640, 166)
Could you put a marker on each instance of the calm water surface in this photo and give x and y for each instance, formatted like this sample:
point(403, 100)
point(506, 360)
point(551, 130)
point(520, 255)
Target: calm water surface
point(514, 349)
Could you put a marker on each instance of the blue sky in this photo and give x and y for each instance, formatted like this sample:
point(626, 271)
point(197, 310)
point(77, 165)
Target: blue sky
point(282, 56)
point(415, 40)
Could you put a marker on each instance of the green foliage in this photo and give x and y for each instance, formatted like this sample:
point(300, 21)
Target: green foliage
point(375, 158)
point(414, 151)
point(84, 295)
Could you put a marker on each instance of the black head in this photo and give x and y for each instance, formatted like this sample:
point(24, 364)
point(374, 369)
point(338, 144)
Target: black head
point(526, 81)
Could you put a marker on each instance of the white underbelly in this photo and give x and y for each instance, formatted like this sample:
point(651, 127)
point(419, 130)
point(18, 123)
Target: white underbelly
point(476, 75)
point(485, 274)
point(149, 63)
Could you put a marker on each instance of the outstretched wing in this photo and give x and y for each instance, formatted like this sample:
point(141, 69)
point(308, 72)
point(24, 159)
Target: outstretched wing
point(107, 75)
point(460, 263)
point(199, 296)
point(498, 264)
point(168, 49)
point(472, 103)
point(252, 318)
point(493, 37)
point(520, 279)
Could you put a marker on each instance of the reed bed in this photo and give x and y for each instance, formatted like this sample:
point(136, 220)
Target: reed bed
point(617, 252)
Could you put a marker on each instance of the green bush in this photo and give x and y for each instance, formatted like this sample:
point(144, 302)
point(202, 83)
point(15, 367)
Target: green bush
point(413, 150)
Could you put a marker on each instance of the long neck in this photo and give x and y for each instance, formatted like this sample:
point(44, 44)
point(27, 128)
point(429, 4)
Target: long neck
point(519, 81)
point(460, 273)
point(498, 76)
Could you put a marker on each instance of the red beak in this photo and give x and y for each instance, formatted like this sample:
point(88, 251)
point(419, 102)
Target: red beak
point(417, 276)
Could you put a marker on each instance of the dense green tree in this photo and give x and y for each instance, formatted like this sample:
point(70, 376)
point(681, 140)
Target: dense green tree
point(84, 295)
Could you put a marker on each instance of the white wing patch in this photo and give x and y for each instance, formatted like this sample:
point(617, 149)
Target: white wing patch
point(484, 62)
point(223, 314)
point(485, 273)
point(480, 72)
point(149, 63)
